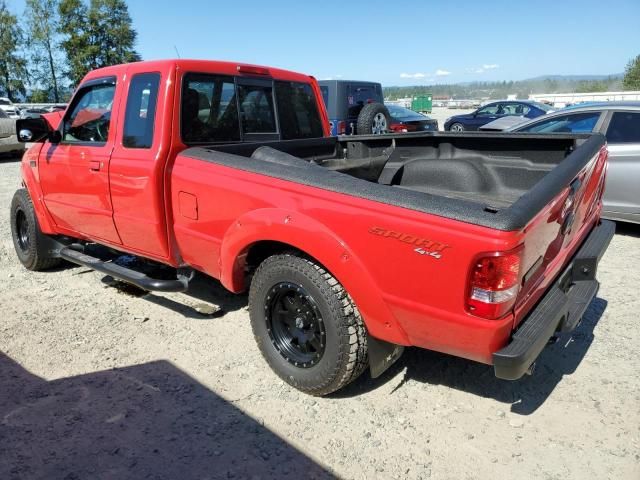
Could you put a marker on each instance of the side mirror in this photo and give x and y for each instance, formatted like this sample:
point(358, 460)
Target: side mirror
point(55, 136)
point(32, 129)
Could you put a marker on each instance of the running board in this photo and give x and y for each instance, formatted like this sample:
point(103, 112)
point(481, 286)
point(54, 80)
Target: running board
point(134, 277)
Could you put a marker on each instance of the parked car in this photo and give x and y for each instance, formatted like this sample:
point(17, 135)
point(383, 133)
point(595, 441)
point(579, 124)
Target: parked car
point(404, 120)
point(491, 111)
point(355, 107)
point(9, 143)
point(620, 123)
point(34, 112)
point(9, 108)
point(351, 247)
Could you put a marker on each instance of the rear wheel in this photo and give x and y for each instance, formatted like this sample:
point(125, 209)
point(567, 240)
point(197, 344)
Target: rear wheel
point(456, 127)
point(306, 325)
point(31, 245)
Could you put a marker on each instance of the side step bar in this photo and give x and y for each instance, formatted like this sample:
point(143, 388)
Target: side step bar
point(134, 277)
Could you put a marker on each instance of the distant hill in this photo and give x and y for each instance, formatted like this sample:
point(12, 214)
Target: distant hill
point(574, 78)
point(520, 88)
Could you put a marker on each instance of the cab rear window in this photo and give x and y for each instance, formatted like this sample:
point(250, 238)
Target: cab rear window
point(219, 109)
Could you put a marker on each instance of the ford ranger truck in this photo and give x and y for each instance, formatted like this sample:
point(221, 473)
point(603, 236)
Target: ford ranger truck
point(479, 245)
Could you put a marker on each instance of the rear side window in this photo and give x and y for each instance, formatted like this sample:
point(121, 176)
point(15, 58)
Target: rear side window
point(297, 111)
point(209, 111)
point(359, 95)
point(256, 109)
point(624, 128)
point(575, 123)
point(89, 116)
point(141, 110)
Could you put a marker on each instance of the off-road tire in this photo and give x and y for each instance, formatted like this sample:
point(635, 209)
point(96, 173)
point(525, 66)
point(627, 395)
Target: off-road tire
point(345, 352)
point(364, 125)
point(33, 250)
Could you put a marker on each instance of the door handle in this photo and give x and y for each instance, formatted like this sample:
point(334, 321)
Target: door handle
point(94, 165)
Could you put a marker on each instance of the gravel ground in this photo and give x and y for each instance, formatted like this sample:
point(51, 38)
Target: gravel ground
point(441, 114)
point(99, 382)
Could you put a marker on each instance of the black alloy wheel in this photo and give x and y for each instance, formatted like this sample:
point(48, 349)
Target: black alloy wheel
point(295, 324)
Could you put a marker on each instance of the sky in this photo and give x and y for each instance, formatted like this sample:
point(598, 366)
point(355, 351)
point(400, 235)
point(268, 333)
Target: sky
point(408, 42)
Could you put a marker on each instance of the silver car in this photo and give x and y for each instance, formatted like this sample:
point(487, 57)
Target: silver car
point(620, 123)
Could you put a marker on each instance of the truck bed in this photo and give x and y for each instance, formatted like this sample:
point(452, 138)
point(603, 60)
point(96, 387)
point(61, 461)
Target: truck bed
point(495, 180)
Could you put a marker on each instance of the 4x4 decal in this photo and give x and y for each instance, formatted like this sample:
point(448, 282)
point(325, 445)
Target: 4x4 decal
point(423, 246)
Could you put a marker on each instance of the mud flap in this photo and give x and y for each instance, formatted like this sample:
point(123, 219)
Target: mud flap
point(382, 355)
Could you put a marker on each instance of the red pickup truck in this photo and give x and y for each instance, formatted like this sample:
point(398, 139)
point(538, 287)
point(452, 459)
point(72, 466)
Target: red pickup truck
point(483, 246)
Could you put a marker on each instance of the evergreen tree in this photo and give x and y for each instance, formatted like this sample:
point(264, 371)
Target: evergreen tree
point(13, 66)
point(631, 79)
point(96, 36)
point(42, 24)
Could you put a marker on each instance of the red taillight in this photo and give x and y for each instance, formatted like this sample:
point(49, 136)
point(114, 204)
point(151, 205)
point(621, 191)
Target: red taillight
point(494, 283)
point(342, 127)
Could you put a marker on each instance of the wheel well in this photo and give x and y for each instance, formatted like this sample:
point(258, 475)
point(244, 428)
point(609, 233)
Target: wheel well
point(260, 251)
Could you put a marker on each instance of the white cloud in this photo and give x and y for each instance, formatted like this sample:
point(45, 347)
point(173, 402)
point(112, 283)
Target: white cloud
point(484, 68)
point(412, 75)
point(442, 73)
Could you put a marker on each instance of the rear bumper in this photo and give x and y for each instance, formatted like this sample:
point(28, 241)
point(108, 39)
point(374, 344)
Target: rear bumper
point(560, 309)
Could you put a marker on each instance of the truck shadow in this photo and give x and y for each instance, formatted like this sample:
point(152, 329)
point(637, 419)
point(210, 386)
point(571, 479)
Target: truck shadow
point(205, 299)
point(525, 395)
point(144, 421)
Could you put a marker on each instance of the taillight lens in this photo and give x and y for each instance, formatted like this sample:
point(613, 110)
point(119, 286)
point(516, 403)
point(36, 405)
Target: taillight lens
point(342, 127)
point(494, 283)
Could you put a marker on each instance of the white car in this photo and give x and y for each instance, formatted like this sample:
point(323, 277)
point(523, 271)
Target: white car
point(9, 108)
point(8, 140)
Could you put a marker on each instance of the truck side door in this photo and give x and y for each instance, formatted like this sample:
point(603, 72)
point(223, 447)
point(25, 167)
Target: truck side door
point(138, 166)
point(74, 173)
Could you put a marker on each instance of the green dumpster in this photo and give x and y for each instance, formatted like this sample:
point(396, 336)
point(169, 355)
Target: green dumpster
point(422, 103)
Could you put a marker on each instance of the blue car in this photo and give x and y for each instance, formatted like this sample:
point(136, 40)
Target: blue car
point(491, 111)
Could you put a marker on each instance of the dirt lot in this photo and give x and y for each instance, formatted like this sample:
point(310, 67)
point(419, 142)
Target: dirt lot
point(97, 382)
point(441, 114)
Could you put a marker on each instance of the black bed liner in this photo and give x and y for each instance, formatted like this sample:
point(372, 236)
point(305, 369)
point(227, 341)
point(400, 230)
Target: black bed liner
point(512, 176)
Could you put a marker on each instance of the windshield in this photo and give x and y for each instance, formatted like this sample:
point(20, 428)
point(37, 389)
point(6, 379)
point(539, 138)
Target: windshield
point(401, 112)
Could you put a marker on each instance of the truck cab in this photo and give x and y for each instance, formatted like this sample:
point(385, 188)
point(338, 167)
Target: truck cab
point(101, 172)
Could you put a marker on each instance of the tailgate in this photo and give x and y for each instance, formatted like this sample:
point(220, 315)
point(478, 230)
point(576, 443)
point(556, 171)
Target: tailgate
point(554, 235)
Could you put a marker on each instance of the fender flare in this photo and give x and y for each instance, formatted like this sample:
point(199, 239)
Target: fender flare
point(318, 241)
point(45, 222)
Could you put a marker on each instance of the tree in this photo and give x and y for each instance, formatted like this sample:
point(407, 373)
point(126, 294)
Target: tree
point(42, 24)
point(97, 36)
point(73, 27)
point(13, 66)
point(631, 80)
